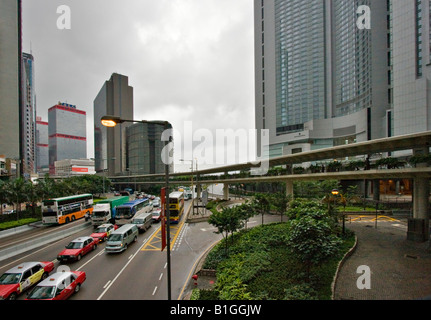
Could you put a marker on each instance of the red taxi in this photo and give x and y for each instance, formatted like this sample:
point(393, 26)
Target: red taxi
point(103, 231)
point(156, 215)
point(77, 248)
point(16, 280)
point(58, 286)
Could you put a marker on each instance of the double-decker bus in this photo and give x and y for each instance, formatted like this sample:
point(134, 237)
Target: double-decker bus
point(176, 206)
point(66, 209)
point(125, 212)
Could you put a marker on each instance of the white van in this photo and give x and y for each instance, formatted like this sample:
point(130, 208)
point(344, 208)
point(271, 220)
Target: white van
point(119, 239)
point(143, 221)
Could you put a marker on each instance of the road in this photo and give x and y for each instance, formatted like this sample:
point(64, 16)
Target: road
point(139, 273)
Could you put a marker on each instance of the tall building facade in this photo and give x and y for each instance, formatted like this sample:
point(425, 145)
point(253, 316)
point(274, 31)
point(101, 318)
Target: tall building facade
point(320, 80)
point(144, 148)
point(10, 79)
point(28, 119)
point(411, 65)
point(66, 133)
point(42, 146)
point(114, 98)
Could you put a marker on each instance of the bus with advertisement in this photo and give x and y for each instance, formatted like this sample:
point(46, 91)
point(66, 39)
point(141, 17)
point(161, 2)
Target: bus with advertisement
point(176, 206)
point(125, 212)
point(66, 209)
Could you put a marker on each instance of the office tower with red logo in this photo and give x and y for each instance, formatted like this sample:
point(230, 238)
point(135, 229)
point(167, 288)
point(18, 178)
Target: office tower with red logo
point(67, 133)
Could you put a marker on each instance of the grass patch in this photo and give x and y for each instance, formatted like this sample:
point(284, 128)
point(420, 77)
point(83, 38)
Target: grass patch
point(357, 208)
point(17, 223)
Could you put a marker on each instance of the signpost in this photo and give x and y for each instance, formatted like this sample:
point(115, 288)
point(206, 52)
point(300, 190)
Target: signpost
point(163, 217)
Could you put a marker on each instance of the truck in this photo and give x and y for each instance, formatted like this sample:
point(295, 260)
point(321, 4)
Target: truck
point(104, 210)
point(188, 194)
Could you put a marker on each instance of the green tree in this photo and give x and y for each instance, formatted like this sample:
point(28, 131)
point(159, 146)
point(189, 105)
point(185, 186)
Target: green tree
point(4, 194)
point(261, 204)
point(45, 187)
point(17, 193)
point(226, 221)
point(314, 189)
point(311, 241)
point(31, 194)
point(245, 211)
point(280, 202)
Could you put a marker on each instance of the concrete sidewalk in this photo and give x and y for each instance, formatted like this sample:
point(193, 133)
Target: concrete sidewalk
point(400, 269)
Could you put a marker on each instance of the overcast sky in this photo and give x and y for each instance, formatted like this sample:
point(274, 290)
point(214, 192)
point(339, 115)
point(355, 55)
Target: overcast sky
point(187, 60)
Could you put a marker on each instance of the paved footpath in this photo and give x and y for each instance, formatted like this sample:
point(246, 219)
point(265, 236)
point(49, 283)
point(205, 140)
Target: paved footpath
point(400, 269)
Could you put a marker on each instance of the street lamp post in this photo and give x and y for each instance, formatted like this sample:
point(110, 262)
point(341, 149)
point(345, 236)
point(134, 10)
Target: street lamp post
point(335, 192)
point(112, 121)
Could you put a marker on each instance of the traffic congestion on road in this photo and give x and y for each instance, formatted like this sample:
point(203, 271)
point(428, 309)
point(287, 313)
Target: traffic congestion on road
point(91, 273)
point(129, 274)
point(81, 268)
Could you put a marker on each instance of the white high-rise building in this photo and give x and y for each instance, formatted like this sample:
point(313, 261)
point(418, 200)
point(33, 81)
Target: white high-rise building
point(411, 63)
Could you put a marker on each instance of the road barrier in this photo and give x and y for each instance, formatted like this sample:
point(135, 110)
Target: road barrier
point(41, 241)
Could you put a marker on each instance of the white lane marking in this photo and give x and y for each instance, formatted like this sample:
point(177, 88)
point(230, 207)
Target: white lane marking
point(97, 255)
point(125, 266)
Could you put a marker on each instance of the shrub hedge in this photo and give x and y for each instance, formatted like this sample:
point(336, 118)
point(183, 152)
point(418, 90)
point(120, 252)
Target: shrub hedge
point(263, 263)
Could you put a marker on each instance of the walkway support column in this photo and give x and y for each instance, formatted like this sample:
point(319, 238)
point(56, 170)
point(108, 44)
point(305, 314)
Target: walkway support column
point(376, 190)
point(225, 191)
point(289, 189)
point(198, 190)
point(418, 226)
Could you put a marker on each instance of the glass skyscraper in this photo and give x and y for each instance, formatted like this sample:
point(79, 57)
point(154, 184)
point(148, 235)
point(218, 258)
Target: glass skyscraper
point(352, 59)
point(144, 148)
point(321, 80)
point(114, 98)
point(300, 64)
point(67, 134)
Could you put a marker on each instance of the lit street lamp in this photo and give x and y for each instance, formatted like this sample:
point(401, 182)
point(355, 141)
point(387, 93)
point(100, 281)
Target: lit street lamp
point(112, 121)
point(335, 192)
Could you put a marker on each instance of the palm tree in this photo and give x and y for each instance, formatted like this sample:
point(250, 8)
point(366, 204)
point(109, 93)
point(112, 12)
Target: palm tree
point(4, 194)
point(17, 193)
point(45, 188)
point(32, 195)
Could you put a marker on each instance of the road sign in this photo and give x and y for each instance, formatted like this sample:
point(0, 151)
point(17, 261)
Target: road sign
point(163, 217)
